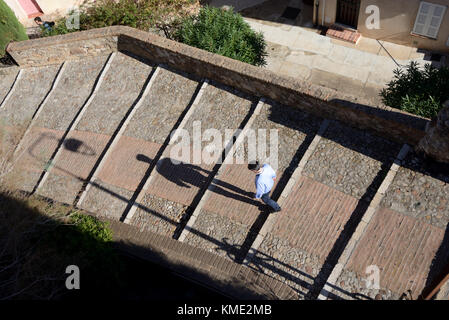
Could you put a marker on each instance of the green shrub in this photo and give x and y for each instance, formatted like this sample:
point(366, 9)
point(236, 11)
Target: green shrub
point(10, 28)
point(421, 105)
point(60, 27)
point(420, 91)
point(87, 235)
point(88, 241)
point(223, 32)
point(136, 14)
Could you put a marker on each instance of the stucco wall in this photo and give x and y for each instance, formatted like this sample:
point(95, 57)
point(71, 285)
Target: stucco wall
point(49, 6)
point(52, 9)
point(397, 21)
point(19, 12)
point(329, 8)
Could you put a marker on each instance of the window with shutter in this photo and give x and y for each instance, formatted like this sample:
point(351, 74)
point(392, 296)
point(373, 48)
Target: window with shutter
point(428, 19)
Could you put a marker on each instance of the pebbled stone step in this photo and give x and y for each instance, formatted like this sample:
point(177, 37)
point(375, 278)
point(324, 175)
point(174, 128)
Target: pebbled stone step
point(8, 79)
point(144, 136)
point(45, 134)
point(407, 238)
point(231, 217)
point(85, 144)
point(18, 110)
point(175, 187)
point(341, 175)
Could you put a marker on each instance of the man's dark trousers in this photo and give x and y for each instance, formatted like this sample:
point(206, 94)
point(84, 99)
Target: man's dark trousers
point(267, 200)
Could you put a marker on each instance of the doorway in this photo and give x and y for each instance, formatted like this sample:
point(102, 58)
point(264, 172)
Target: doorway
point(348, 12)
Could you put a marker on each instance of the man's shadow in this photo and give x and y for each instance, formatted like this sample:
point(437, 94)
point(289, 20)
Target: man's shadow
point(187, 175)
point(78, 146)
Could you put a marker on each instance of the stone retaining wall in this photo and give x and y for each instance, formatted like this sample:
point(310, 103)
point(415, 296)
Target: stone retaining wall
point(258, 81)
point(57, 49)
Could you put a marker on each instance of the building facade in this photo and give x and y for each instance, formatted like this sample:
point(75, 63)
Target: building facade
point(27, 10)
point(421, 24)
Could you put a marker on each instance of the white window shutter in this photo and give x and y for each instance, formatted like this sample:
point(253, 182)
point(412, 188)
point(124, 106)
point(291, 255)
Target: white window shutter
point(421, 18)
point(428, 19)
point(435, 21)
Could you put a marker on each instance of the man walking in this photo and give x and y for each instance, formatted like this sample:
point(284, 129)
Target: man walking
point(265, 177)
point(47, 25)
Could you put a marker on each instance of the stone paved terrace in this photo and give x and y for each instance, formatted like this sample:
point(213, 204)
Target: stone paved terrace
point(174, 189)
point(49, 127)
point(98, 134)
point(19, 106)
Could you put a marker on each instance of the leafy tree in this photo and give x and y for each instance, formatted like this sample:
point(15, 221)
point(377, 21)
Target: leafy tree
point(223, 32)
point(420, 91)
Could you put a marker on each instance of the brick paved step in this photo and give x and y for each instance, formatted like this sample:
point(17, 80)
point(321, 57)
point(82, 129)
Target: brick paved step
point(20, 106)
point(54, 119)
point(86, 143)
point(175, 189)
point(147, 131)
point(8, 78)
point(330, 196)
point(407, 237)
point(230, 217)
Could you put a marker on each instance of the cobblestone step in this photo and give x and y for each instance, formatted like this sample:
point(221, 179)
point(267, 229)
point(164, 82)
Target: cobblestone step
point(323, 207)
point(140, 143)
point(48, 129)
point(22, 102)
point(87, 142)
point(8, 79)
point(175, 189)
point(230, 217)
point(406, 238)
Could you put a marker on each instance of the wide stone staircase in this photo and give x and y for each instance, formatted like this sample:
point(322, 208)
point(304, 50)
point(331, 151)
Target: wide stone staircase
point(99, 133)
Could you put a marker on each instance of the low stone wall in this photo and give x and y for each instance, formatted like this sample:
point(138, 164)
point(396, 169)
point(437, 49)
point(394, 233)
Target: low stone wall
point(258, 81)
point(223, 275)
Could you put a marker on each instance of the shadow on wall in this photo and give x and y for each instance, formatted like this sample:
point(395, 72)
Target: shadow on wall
point(390, 114)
